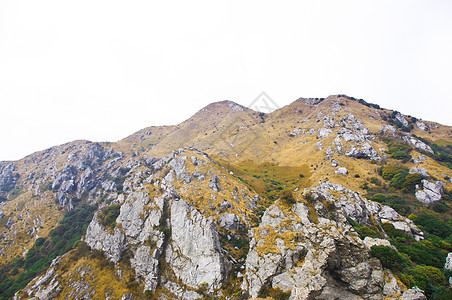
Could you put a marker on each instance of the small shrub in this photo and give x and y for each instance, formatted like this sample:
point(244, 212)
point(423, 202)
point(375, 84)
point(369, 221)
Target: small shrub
point(108, 215)
point(433, 225)
point(389, 258)
point(286, 197)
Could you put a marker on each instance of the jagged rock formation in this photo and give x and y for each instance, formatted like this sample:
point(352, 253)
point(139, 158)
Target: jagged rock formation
point(431, 192)
point(364, 211)
point(162, 230)
point(293, 252)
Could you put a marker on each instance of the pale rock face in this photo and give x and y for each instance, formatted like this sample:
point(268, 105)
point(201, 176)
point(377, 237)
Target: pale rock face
point(367, 152)
point(391, 287)
point(146, 265)
point(421, 126)
point(349, 135)
point(421, 171)
point(179, 168)
point(195, 254)
point(324, 132)
point(402, 119)
point(431, 192)
point(235, 107)
point(448, 264)
point(129, 216)
point(67, 186)
point(7, 176)
point(389, 215)
point(230, 221)
point(192, 251)
point(342, 171)
point(389, 128)
point(417, 143)
point(413, 294)
point(320, 145)
point(99, 238)
point(356, 132)
point(329, 150)
point(334, 163)
point(320, 251)
point(86, 181)
point(214, 184)
point(182, 293)
point(295, 132)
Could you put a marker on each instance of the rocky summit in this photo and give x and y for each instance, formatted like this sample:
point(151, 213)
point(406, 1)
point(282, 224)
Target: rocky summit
point(325, 198)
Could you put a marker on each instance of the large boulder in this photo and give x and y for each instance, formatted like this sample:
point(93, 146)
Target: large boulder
point(431, 192)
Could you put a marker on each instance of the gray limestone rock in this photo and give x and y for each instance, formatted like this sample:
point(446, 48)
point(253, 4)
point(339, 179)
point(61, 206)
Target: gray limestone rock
point(366, 152)
point(8, 176)
point(448, 264)
point(195, 254)
point(364, 211)
point(369, 242)
point(230, 222)
point(214, 184)
point(308, 264)
point(417, 143)
point(421, 126)
point(402, 119)
point(334, 163)
point(342, 171)
point(295, 132)
point(431, 192)
point(146, 265)
point(413, 294)
point(324, 132)
point(421, 171)
point(389, 128)
point(112, 243)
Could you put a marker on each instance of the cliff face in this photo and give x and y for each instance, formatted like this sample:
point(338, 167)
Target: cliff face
point(233, 203)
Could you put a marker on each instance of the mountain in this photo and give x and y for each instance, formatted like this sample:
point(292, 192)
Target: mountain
point(325, 198)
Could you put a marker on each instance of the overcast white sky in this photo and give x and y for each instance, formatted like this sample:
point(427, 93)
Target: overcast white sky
point(101, 70)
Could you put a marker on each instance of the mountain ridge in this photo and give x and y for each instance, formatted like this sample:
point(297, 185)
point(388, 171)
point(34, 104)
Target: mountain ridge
point(309, 101)
point(256, 191)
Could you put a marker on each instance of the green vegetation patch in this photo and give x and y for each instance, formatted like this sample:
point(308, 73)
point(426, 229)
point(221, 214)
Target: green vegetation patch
point(419, 263)
point(399, 177)
point(18, 274)
point(269, 180)
point(390, 258)
point(107, 215)
point(364, 230)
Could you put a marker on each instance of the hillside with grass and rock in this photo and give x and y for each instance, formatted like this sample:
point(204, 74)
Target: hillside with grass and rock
point(325, 198)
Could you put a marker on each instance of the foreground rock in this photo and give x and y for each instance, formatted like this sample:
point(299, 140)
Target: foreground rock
point(308, 250)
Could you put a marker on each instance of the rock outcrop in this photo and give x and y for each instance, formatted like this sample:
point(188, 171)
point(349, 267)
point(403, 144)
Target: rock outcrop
point(310, 252)
point(194, 253)
point(362, 210)
point(431, 192)
point(417, 143)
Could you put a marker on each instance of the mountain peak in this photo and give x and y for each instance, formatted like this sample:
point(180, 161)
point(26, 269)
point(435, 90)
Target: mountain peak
point(225, 104)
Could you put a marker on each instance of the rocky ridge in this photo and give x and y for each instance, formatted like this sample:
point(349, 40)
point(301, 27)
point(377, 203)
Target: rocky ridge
point(184, 220)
